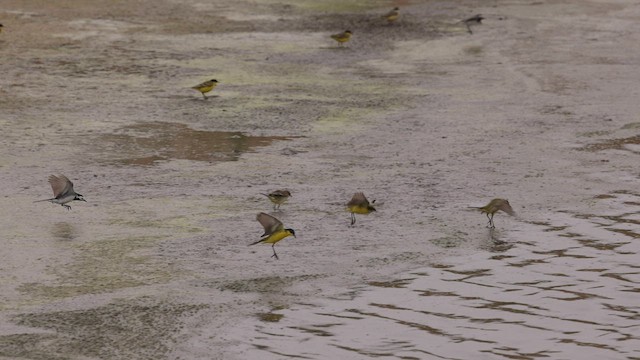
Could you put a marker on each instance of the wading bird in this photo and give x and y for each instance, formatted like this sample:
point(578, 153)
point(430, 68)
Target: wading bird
point(205, 87)
point(474, 20)
point(359, 205)
point(274, 231)
point(493, 207)
point(392, 15)
point(342, 37)
point(278, 198)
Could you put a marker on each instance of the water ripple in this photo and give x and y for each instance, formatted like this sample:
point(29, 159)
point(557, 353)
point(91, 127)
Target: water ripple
point(566, 289)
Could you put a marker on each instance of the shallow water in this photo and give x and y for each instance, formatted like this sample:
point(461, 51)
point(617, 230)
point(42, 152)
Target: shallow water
point(566, 289)
point(148, 143)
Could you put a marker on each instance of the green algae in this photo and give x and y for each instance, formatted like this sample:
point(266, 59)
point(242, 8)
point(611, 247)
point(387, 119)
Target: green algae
point(104, 266)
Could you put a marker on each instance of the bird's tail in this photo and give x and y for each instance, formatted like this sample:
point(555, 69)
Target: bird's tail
point(44, 200)
point(257, 242)
point(267, 195)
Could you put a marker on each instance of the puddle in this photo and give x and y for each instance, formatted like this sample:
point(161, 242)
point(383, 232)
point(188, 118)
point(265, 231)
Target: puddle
point(150, 143)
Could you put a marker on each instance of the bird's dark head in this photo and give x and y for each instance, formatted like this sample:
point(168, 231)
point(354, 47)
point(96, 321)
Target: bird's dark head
point(214, 80)
point(79, 197)
point(396, 8)
point(348, 32)
point(291, 231)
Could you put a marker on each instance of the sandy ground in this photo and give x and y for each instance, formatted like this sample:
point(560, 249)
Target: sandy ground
point(539, 106)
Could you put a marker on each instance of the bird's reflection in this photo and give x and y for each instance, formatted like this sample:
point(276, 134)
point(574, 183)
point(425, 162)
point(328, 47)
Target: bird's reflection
point(63, 231)
point(493, 243)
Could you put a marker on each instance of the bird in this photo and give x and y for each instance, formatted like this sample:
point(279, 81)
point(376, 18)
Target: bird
point(342, 37)
point(1, 26)
point(493, 207)
point(359, 205)
point(206, 86)
point(274, 231)
point(63, 192)
point(278, 198)
point(474, 20)
point(392, 15)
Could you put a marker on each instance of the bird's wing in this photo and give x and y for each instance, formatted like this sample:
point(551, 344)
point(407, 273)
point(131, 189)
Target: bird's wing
point(477, 17)
point(358, 199)
point(506, 207)
point(390, 13)
point(201, 85)
point(281, 193)
point(269, 223)
point(339, 35)
point(60, 185)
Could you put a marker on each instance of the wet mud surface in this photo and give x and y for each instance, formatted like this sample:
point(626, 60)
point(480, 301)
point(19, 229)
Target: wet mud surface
point(538, 106)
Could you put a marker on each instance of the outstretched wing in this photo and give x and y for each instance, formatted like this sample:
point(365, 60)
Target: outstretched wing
point(506, 207)
point(358, 199)
point(269, 223)
point(60, 185)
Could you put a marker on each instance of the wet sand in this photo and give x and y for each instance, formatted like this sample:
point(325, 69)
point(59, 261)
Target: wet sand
point(539, 106)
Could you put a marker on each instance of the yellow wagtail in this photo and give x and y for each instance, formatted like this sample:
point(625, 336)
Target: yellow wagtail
point(474, 20)
point(392, 15)
point(342, 37)
point(206, 86)
point(359, 205)
point(274, 231)
point(493, 207)
point(278, 198)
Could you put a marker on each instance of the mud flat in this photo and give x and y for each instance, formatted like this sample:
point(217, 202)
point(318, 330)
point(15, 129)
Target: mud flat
point(539, 106)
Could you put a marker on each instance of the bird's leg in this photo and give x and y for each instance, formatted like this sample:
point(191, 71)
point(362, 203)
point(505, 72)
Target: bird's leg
point(491, 225)
point(468, 28)
point(204, 96)
point(274, 252)
point(353, 218)
point(66, 206)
